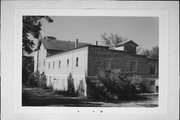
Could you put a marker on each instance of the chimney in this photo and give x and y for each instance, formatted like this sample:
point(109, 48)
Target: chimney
point(97, 43)
point(76, 43)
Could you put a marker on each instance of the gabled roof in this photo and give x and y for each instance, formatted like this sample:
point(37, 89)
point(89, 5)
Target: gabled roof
point(53, 44)
point(126, 42)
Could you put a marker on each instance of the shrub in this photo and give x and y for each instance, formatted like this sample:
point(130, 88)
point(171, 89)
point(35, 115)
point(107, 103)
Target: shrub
point(71, 89)
point(27, 68)
point(33, 79)
point(42, 80)
point(137, 83)
point(80, 90)
point(114, 84)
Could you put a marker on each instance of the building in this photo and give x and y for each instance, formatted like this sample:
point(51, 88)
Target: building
point(67, 62)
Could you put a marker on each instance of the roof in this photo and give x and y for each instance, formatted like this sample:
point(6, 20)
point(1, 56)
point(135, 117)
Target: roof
point(126, 42)
point(53, 44)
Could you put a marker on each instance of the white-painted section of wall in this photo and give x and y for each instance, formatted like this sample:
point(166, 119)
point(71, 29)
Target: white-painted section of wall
point(57, 75)
point(119, 48)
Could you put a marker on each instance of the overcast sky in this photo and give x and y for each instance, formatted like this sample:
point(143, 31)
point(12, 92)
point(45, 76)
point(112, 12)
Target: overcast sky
point(142, 30)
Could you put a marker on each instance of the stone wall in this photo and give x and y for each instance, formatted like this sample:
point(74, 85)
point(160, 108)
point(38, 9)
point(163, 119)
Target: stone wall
point(103, 58)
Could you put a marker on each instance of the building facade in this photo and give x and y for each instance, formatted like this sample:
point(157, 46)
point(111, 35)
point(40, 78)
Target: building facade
point(64, 60)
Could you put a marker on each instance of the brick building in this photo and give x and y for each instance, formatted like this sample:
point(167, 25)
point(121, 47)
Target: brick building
point(60, 60)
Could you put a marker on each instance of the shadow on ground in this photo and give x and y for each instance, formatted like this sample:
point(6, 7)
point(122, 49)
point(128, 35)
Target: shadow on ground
point(44, 97)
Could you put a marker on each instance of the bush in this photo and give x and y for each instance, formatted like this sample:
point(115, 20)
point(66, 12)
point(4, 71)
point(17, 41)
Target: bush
point(27, 68)
point(71, 89)
point(42, 80)
point(80, 90)
point(114, 84)
point(96, 90)
point(34, 79)
point(137, 83)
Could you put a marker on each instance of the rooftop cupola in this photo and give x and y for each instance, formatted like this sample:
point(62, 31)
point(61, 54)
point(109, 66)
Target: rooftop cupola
point(127, 45)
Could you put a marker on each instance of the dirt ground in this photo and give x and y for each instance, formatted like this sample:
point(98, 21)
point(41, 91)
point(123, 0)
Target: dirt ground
point(32, 96)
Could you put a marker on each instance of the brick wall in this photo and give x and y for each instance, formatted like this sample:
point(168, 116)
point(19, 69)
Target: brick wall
point(102, 58)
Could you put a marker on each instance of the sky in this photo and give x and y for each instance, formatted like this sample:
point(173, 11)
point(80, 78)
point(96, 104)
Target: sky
point(142, 30)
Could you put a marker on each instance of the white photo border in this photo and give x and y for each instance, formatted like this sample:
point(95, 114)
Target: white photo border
point(163, 60)
point(11, 63)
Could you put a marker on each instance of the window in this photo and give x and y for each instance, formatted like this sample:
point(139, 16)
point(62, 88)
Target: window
point(67, 62)
point(59, 64)
point(133, 67)
point(152, 69)
point(77, 59)
point(49, 65)
point(108, 64)
point(152, 82)
point(53, 64)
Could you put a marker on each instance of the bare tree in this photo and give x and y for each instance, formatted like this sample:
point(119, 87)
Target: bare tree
point(112, 40)
point(31, 26)
point(153, 52)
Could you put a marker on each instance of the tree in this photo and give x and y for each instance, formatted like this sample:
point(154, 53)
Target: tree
point(27, 67)
point(32, 25)
point(152, 53)
point(112, 40)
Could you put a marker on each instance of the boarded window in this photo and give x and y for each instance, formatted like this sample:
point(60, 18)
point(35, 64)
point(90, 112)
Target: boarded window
point(77, 59)
point(108, 64)
point(133, 67)
point(152, 82)
point(152, 69)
